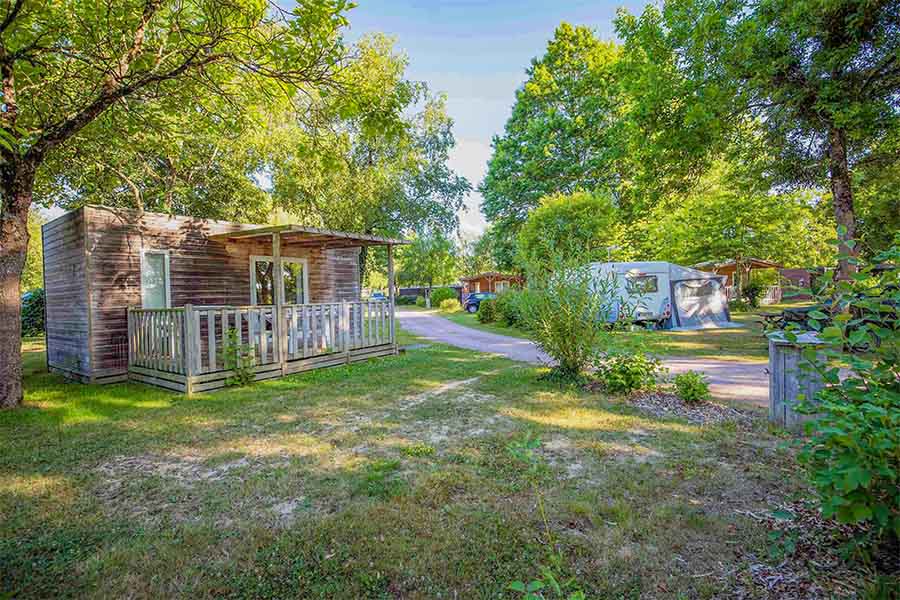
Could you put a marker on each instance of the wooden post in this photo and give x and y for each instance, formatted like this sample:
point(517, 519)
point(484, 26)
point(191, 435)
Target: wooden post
point(189, 348)
point(390, 261)
point(790, 376)
point(278, 324)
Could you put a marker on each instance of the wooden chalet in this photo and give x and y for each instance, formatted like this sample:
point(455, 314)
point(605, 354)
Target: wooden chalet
point(162, 299)
point(490, 282)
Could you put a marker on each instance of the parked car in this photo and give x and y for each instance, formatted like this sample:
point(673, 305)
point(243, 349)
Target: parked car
point(378, 296)
point(473, 300)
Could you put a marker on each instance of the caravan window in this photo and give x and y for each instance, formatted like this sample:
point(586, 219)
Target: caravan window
point(642, 284)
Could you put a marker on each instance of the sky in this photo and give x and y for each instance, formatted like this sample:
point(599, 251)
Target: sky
point(476, 51)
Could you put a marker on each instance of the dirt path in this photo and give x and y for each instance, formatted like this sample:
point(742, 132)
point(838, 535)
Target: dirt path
point(729, 380)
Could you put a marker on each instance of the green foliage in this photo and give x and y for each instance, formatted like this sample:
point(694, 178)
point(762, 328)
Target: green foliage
point(477, 256)
point(487, 311)
point(510, 306)
point(450, 305)
point(853, 448)
point(428, 260)
point(561, 127)
point(628, 372)
point(753, 293)
point(692, 387)
point(420, 301)
point(33, 273)
point(408, 301)
point(379, 480)
point(568, 312)
point(580, 224)
point(374, 158)
point(419, 450)
point(239, 358)
point(803, 82)
point(438, 295)
point(33, 313)
point(725, 217)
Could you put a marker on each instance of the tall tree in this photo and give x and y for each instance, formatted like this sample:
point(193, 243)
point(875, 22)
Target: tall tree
point(562, 135)
point(476, 256)
point(579, 224)
point(720, 220)
point(63, 65)
point(374, 159)
point(430, 259)
point(820, 78)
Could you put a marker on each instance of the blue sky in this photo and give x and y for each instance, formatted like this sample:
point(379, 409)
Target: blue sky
point(476, 51)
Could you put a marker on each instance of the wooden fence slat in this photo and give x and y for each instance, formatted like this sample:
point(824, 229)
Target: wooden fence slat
point(198, 360)
point(211, 338)
point(314, 318)
point(263, 337)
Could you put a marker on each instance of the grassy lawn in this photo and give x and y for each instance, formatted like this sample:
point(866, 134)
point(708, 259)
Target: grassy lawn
point(385, 479)
point(744, 343)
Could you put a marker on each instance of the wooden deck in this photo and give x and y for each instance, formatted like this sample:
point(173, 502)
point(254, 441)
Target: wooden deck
point(187, 349)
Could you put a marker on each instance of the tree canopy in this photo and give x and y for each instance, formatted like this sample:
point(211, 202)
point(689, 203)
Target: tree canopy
point(818, 79)
point(579, 224)
point(429, 260)
point(71, 69)
point(561, 136)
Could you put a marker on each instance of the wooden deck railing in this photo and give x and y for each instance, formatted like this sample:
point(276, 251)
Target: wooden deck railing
point(188, 348)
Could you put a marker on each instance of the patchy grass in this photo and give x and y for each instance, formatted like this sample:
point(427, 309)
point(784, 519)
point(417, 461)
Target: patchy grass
point(385, 479)
point(743, 343)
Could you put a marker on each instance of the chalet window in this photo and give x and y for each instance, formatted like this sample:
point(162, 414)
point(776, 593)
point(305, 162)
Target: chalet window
point(476, 286)
point(155, 286)
point(262, 280)
point(501, 285)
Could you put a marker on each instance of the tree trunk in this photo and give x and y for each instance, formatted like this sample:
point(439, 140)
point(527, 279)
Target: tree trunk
point(842, 196)
point(17, 184)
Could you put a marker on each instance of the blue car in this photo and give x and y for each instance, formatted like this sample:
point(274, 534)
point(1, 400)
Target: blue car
point(473, 301)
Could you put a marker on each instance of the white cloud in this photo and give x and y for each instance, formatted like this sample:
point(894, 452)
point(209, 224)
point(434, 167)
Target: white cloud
point(469, 158)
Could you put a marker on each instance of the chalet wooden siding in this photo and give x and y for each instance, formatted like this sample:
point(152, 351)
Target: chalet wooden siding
point(65, 281)
point(93, 262)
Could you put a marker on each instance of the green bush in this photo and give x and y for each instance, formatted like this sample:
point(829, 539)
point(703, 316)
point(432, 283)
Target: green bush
point(420, 301)
point(753, 292)
point(509, 308)
point(739, 306)
point(450, 305)
point(692, 387)
point(567, 313)
point(406, 300)
point(33, 313)
point(623, 373)
point(438, 295)
point(487, 311)
point(853, 449)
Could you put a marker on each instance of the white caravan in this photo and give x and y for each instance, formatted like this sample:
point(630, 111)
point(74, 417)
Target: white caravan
point(669, 295)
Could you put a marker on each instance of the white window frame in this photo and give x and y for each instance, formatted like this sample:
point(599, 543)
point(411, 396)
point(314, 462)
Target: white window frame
point(168, 277)
point(501, 286)
point(284, 259)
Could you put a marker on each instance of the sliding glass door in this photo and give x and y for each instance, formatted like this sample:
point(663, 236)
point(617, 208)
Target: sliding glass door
point(295, 281)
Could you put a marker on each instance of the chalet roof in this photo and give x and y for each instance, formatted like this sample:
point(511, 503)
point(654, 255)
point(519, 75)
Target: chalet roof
point(753, 263)
point(492, 274)
point(299, 235)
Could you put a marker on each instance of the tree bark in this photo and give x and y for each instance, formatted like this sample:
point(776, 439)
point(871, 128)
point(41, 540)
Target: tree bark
point(842, 196)
point(17, 184)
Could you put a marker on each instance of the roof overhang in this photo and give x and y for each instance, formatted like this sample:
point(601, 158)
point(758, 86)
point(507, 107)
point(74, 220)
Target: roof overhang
point(756, 263)
point(490, 275)
point(298, 235)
